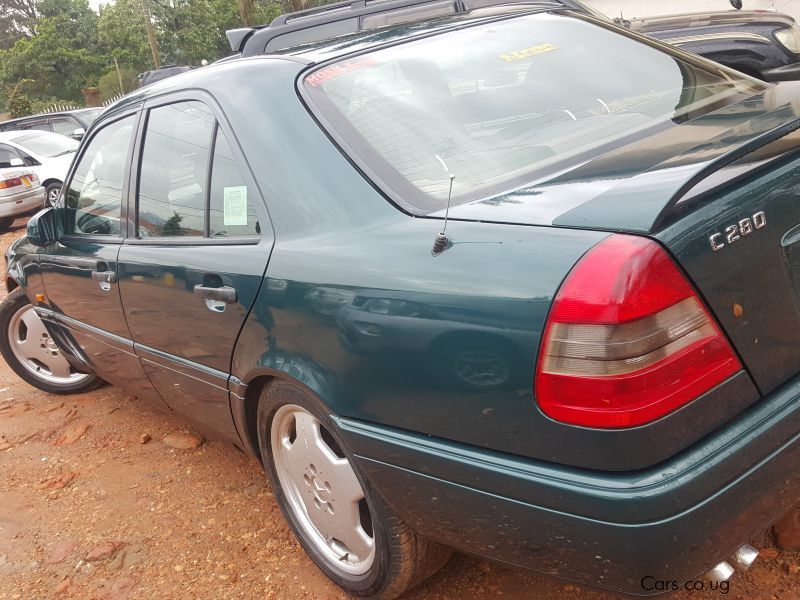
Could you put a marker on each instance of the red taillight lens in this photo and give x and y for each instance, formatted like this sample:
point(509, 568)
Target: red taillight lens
point(9, 183)
point(627, 340)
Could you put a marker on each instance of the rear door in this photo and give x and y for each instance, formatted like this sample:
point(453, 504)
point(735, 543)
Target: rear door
point(193, 265)
point(80, 270)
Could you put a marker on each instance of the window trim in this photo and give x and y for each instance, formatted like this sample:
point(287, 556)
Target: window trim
point(136, 113)
point(220, 123)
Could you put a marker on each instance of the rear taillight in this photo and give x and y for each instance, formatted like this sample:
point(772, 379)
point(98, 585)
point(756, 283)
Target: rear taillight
point(627, 340)
point(9, 183)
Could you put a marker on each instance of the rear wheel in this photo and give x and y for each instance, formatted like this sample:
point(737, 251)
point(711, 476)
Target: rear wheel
point(29, 350)
point(344, 525)
point(51, 193)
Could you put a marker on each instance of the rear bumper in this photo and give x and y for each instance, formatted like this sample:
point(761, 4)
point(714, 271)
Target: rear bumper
point(611, 530)
point(789, 72)
point(22, 203)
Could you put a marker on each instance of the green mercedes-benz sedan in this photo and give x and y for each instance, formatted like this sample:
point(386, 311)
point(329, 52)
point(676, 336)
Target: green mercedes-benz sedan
point(509, 281)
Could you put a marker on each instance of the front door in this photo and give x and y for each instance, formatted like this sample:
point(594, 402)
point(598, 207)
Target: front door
point(192, 269)
point(79, 272)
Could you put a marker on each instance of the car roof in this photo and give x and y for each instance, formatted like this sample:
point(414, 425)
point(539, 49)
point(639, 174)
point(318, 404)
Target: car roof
point(305, 57)
point(314, 25)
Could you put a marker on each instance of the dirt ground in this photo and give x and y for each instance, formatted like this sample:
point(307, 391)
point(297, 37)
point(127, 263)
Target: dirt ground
point(88, 511)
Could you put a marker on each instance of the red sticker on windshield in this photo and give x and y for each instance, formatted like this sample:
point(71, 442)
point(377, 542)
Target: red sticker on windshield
point(319, 77)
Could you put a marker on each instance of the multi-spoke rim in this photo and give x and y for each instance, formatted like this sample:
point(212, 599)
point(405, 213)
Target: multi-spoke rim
point(52, 195)
point(322, 490)
point(36, 351)
point(481, 368)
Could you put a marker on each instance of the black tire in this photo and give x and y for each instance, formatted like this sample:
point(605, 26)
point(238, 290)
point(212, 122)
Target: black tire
point(15, 302)
point(6, 223)
point(402, 558)
point(51, 193)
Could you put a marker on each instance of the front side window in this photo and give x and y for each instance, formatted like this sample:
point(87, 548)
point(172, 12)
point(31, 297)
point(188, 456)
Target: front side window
point(506, 103)
point(94, 196)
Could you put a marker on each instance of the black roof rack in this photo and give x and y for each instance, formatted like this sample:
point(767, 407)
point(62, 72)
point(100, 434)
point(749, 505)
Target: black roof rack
point(342, 18)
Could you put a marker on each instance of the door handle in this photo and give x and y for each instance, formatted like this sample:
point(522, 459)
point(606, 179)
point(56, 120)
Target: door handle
point(104, 276)
point(224, 294)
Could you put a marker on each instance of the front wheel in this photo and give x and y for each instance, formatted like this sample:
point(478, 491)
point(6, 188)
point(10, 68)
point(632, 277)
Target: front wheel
point(51, 193)
point(6, 223)
point(29, 350)
point(346, 528)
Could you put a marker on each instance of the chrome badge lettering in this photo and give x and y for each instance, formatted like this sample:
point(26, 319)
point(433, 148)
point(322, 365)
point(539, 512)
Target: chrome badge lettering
point(737, 231)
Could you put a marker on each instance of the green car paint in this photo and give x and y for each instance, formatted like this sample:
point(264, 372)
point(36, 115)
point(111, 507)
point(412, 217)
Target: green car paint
point(427, 362)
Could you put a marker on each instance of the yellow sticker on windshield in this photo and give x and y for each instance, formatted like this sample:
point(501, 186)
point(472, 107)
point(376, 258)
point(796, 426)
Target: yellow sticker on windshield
point(527, 52)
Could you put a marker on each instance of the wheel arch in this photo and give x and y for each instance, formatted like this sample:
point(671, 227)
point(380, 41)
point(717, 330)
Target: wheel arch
point(51, 180)
point(11, 284)
point(298, 370)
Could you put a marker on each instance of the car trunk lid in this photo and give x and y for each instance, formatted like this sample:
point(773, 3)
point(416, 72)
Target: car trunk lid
point(720, 193)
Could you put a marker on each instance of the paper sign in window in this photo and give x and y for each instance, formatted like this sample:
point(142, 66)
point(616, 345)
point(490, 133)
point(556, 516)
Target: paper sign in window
point(234, 210)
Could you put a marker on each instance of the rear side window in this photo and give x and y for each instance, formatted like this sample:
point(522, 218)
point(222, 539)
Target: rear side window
point(189, 183)
point(232, 211)
point(174, 170)
point(6, 154)
point(506, 103)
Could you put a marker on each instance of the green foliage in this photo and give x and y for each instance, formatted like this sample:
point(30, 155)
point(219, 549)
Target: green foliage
point(62, 56)
point(109, 83)
point(18, 103)
point(61, 46)
point(122, 34)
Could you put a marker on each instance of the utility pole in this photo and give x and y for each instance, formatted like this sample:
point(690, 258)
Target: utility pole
point(119, 76)
point(246, 8)
point(151, 33)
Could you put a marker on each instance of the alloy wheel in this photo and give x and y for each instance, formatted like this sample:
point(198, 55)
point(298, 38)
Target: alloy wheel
point(322, 490)
point(36, 351)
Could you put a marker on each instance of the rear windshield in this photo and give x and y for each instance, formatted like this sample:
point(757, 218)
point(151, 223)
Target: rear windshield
point(505, 103)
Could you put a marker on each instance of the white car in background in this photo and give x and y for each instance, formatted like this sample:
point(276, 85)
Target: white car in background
point(47, 154)
point(20, 192)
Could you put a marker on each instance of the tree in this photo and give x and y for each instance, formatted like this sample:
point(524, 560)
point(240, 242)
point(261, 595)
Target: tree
point(122, 34)
point(19, 104)
point(61, 56)
point(16, 18)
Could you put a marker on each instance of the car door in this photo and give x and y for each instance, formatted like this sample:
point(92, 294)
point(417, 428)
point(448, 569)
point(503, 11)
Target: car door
point(79, 271)
point(191, 269)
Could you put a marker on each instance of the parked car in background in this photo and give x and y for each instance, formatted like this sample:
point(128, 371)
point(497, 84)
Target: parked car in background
point(20, 190)
point(49, 155)
point(71, 123)
point(163, 72)
point(763, 44)
point(601, 273)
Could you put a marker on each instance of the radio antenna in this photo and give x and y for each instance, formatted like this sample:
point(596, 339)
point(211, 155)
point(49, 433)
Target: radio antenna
point(441, 243)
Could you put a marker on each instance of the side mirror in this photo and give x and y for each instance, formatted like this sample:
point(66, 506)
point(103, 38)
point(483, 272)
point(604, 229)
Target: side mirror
point(737, 4)
point(42, 228)
point(16, 162)
point(79, 133)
